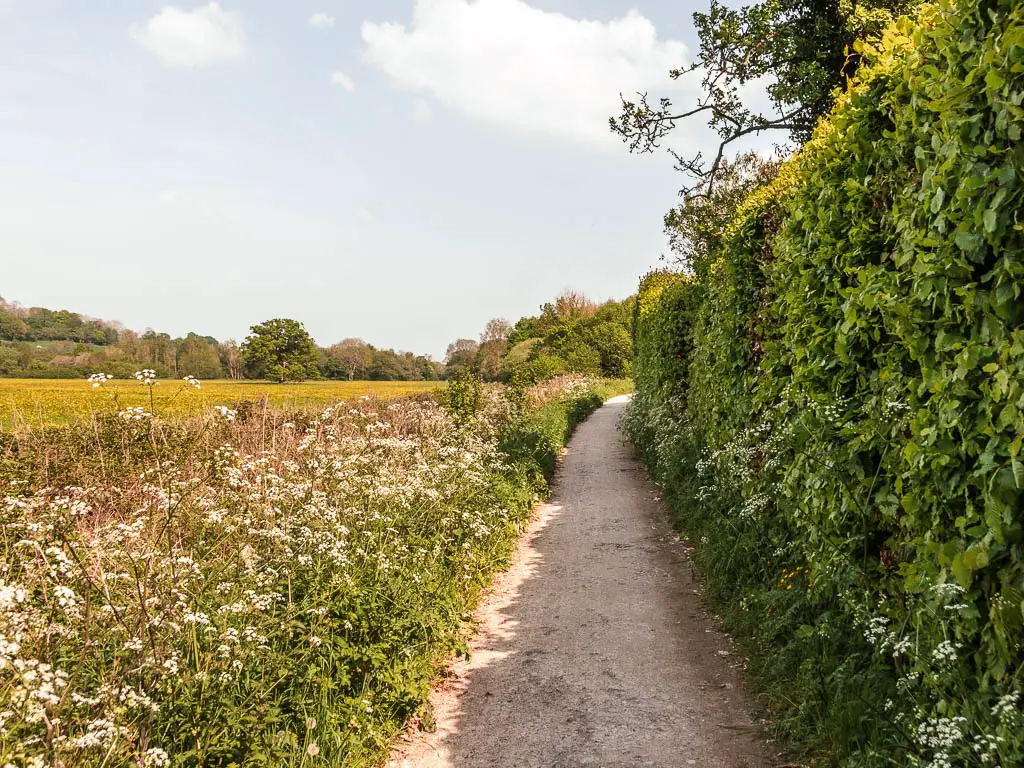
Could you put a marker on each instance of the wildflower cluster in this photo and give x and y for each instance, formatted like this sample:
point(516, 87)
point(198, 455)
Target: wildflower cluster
point(225, 413)
point(789, 577)
point(135, 413)
point(99, 379)
point(281, 592)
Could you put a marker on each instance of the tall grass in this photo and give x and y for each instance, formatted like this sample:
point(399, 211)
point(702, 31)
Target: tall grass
point(253, 588)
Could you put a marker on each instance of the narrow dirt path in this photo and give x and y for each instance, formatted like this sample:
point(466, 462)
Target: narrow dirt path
point(594, 648)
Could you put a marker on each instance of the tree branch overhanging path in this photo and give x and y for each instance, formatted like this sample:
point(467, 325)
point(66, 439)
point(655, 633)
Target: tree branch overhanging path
point(594, 649)
point(800, 54)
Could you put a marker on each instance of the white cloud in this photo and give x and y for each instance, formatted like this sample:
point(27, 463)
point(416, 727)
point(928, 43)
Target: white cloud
point(343, 81)
point(505, 62)
point(421, 112)
point(321, 20)
point(194, 38)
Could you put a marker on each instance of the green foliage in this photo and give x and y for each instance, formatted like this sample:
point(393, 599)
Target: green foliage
point(463, 397)
point(280, 350)
point(40, 343)
point(571, 335)
point(199, 358)
point(798, 52)
point(614, 347)
point(695, 228)
point(542, 367)
point(39, 324)
point(582, 359)
point(391, 365)
point(538, 436)
point(833, 408)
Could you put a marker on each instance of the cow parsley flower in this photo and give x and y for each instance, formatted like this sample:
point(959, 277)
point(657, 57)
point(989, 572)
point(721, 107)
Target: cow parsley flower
point(945, 653)
point(1007, 706)
point(875, 631)
point(99, 379)
point(156, 758)
point(225, 413)
point(135, 413)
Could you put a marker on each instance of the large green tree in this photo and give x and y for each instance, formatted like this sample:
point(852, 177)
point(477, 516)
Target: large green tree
point(280, 350)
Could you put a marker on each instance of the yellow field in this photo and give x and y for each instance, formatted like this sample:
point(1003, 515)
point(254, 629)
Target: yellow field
point(38, 402)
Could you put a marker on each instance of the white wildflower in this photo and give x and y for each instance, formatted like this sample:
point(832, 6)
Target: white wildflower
point(225, 413)
point(156, 758)
point(1007, 706)
point(135, 413)
point(945, 653)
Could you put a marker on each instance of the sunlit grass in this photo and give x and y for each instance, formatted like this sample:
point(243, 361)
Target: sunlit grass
point(46, 402)
point(275, 591)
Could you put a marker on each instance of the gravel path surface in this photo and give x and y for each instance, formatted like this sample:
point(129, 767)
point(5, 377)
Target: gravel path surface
point(595, 648)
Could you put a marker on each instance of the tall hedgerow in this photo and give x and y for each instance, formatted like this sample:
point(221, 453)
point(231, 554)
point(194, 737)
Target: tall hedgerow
point(844, 445)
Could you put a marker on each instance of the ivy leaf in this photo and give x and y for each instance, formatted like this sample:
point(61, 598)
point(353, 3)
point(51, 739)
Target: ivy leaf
point(961, 571)
point(966, 241)
point(976, 558)
point(991, 220)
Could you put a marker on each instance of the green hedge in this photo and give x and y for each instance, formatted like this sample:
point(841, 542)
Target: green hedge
point(833, 408)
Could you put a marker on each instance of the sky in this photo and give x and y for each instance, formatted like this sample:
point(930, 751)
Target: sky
point(396, 170)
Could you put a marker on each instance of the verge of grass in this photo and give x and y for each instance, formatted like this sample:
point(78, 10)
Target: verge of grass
point(536, 444)
point(272, 589)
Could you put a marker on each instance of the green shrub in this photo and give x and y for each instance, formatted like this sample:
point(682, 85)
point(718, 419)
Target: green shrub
point(463, 397)
point(833, 408)
point(583, 360)
point(545, 367)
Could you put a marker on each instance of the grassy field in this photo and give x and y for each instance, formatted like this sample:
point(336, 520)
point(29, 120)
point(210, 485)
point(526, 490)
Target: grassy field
point(41, 402)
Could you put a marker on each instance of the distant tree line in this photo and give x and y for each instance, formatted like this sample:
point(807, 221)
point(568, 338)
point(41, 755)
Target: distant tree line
point(19, 323)
point(572, 334)
point(43, 343)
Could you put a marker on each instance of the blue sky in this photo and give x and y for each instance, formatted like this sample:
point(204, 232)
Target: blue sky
point(396, 170)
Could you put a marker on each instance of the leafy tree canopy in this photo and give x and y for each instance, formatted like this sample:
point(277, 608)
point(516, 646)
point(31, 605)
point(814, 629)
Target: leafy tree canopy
point(801, 48)
point(572, 334)
point(696, 227)
point(280, 350)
